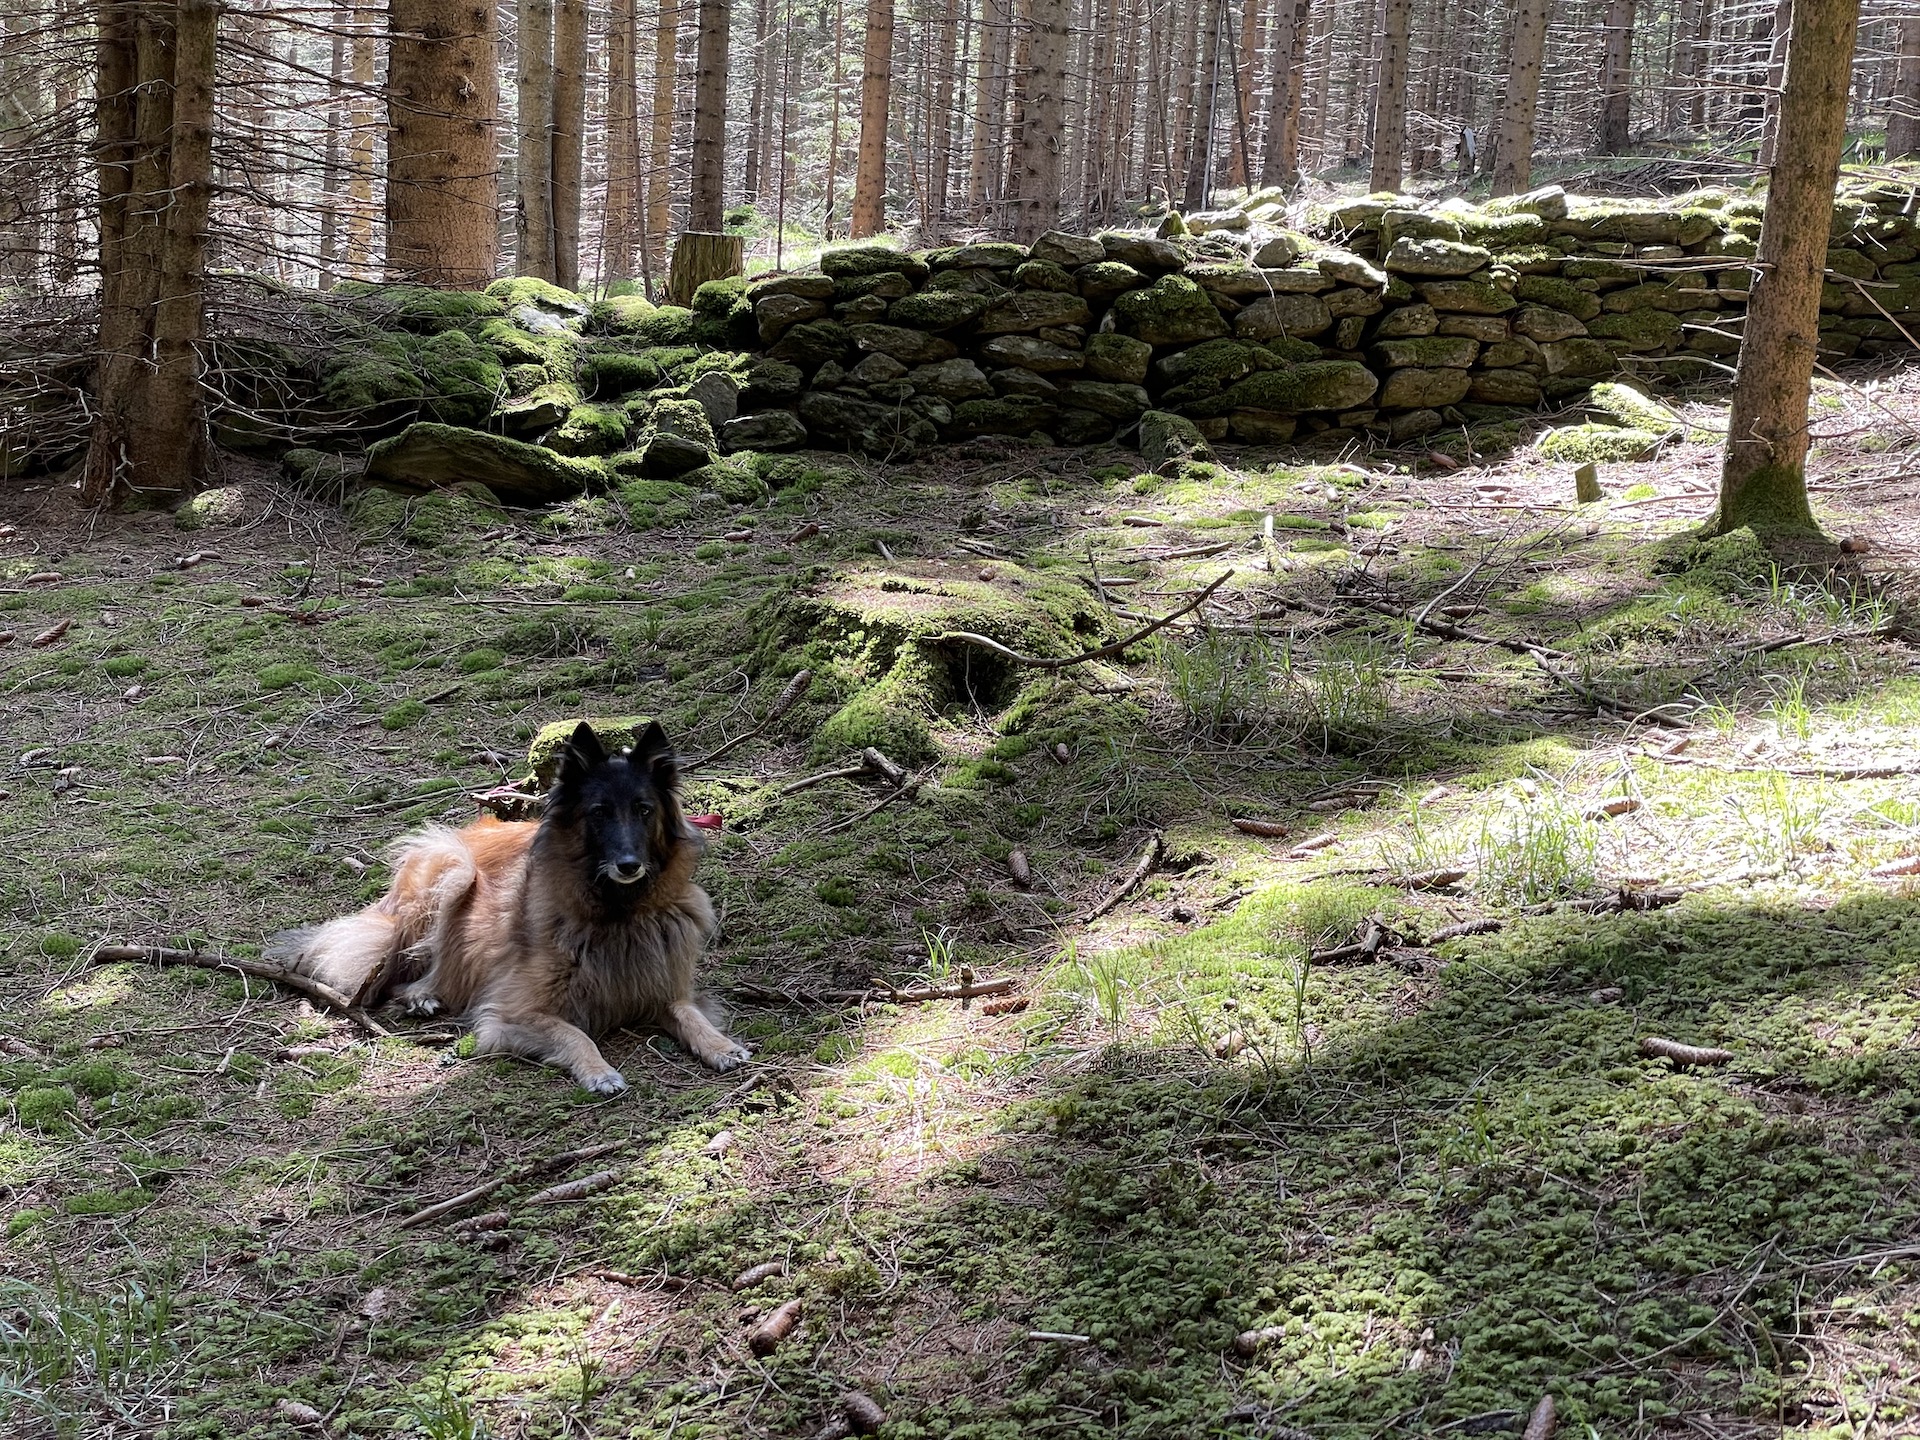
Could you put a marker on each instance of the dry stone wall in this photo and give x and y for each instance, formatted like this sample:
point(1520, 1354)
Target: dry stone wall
point(1383, 316)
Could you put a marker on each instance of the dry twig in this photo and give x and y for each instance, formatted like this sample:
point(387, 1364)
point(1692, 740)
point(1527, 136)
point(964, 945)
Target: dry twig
point(1659, 1047)
point(1038, 663)
point(1149, 857)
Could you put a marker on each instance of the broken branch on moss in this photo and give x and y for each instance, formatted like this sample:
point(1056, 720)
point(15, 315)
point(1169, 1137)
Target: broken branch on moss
point(1038, 663)
point(788, 698)
point(315, 990)
point(1149, 857)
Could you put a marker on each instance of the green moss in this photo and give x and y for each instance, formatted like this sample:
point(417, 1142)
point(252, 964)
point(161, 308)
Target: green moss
point(525, 290)
point(617, 733)
point(1607, 444)
point(46, 1108)
point(590, 430)
point(1627, 406)
point(407, 713)
point(283, 674)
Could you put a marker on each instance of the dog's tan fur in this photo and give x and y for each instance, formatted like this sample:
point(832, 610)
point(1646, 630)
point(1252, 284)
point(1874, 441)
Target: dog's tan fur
point(500, 922)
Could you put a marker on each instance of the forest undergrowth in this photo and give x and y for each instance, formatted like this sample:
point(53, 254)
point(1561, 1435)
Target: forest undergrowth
point(1338, 1122)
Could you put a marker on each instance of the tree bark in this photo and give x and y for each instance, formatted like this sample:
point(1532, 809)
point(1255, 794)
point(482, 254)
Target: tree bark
point(1763, 482)
point(659, 184)
point(707, 207)
point(940, 148)
point(831, 197)
point(1042, 131)
point(442, 174)
point(533, 165)
point(1616, 78)
point(1513, 144)
point(1776, 78)
point(1390, 100)
point(754, 181)
point(698, 257)
point(569, 137)
point(990, 107)
point(1903, 111)
point(623, 142)
point(1280, 165)
point(870, 164)
point(156, 135)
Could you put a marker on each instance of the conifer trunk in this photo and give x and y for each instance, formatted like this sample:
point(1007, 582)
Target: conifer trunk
point(706, 205)
point(623, 142)
point(1042, 127)
point(442, 175)
point(533, 156)
point(1513, 142)
point(1903, 111)
point(569, 137)
point(1763, 482)
point(870, 162)
point(659, 178)
point(1390, 99)
point(1616, 78)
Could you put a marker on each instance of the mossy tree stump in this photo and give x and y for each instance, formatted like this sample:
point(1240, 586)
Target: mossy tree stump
point(700, 256)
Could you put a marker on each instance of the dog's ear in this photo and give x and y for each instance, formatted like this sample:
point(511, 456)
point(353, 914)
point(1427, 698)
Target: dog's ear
point(582, 753)
point(652, 751)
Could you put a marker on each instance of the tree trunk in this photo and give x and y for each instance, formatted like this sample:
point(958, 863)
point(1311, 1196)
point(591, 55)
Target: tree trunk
point(623, 143)
point(442, 175)
point(1390, 100)
point(332, 177)
point(870, 166)
point(990, 107)
point(1280, 165)
point(699, 257)
point(533, 164)
point(363, 122)
point(1616, 78)
point(706, 207)
point(1764, 483)
point(1199, 178)
point(1699, 59)
point(1776, 78)
point(1042, 128)
point(833, 125)
point(940, 150)
point(156, 146)
point(659, 180)
point(1513, 152)
point(569, 137)
point(754, 181)
point(1903, 111)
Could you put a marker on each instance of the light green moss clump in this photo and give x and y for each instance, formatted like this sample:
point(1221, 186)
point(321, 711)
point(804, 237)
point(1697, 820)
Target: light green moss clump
point(1601, 444)
point(617, 733)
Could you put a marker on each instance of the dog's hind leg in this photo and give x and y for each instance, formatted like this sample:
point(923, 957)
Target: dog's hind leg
point(689, 1024)
point(552, 1041)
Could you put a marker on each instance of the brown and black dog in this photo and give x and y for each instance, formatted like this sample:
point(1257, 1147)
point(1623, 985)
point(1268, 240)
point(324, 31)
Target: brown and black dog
point(544, 934)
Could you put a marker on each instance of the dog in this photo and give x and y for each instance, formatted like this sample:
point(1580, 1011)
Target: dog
point(544, 934)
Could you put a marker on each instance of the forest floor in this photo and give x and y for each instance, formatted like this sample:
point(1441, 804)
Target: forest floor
point(1439, 1174)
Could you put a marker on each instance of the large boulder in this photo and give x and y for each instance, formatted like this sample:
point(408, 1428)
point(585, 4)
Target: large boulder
point(951, 380)
point(909, 347)
point(852, 261)
point(1416, 389)
point(1143, 252)
point(428, 456)
point(1118, 358)
point(1411, 256)
point(1070, 250)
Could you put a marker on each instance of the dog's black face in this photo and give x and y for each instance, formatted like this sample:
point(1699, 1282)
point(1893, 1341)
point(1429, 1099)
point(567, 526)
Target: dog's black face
point(622, 811)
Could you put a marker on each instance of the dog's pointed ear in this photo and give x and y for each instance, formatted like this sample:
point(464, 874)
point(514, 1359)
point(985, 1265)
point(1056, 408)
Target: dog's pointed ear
point(652, 750)
point(581, 753)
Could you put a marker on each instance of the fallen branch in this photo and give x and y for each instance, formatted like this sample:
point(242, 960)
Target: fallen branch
point(807, 782)
point(314, 990)
point(911, 788)
point(1659, 1047)
point(788, 698)
point(1464, 928)
point(919, 995)
point(513, 1177)
point(1038, 663)
point(1149, 857)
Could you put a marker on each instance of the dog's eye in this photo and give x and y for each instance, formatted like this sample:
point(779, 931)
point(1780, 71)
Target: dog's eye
point(598, 812)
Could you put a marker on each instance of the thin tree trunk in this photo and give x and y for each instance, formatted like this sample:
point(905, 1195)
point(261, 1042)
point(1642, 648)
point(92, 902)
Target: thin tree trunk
point(1199, 178)
point(1776, 78)
point(833, 125)
point(1763, 482)
point(1513, 152)
point(706, 207)
point(1616, 78)
point(666, 49)
point(940, 152)
point(876, 81)
point(623, 142)
point(332, 178)
point(1244, 62)
point(442, 175)
point(1903, 110)
point(990, 107)
point(1390, 100)
point(756, 101)
point(1186, 65)
point(533, 165)
point(569, 137)
point(1699, 60)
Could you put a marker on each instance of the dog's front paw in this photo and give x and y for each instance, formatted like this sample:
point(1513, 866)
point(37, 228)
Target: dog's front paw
point(415, 1000)
point(606, 1082)
point(730, 1055)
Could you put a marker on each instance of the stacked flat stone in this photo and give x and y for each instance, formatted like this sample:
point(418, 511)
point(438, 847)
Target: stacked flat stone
point(1385, 317)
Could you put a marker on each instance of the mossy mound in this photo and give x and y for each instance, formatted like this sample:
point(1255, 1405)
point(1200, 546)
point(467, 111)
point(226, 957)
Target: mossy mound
point(617, 733)
point(1600, 444)
point(1627, 406)
point(439, 520)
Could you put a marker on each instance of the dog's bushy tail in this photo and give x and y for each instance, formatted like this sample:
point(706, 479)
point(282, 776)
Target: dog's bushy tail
point(365, 954)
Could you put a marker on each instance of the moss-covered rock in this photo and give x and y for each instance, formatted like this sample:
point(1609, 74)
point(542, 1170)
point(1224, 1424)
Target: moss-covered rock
point(1171, 311)
point(937, 310)
point(539, 409)
point(1554, 293)
point(372, 385)
point(589, 429)
point(618, 734)
point(849, 261)
point(1411, 256)
point(319, 474)
point(1004, 415)
point(812, 344)
point(1118, 358)
point(1431, 351)
point(1639, 331)
point(1303, 316)
point(1604, 444)
point(1417, 389)
point(1628, 407)
point(428, 456)
point(1045, 275)
point(609, 373)
point(1510, 386)
point(1168, 441)
point(1578, 357)
point(1467, 297)
point(1103, 281)
point(1022, 312)
point(1297, 389)
point(427, 311)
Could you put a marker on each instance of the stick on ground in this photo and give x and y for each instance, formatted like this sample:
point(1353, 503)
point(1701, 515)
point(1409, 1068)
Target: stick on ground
point(1038, 663)
point(1149, 857)
point(315, 990)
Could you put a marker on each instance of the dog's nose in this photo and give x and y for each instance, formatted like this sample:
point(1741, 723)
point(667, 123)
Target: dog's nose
point(627, 869)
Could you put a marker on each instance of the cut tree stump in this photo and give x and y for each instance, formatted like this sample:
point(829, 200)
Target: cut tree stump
point(700, 256)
